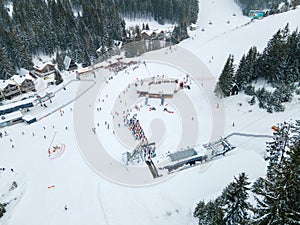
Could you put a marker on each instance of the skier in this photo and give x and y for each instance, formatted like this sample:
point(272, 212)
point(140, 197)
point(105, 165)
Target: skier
point(66, 207)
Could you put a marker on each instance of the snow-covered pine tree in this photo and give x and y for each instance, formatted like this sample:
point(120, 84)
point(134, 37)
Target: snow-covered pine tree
point(58, 78)
point(277, 148)
point(245, 71)
point(225, 82)
point(235, 205)
point(138, 36)
point(147, 26)
point(2, 210)
point(252, 101)
point(292, 60)
point(240, 75)
point(59, 61)
point(284, 92)
point(6, 67)
point(295, 129)
point(210, 213)
point(276, 194)
point(251, 59)
point(291, 180)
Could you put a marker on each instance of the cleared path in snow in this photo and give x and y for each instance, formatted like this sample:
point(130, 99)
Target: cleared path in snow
point(250, 135)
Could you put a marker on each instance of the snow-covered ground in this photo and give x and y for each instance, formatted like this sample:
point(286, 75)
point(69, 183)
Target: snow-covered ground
point(153, 25)
point(46, 185)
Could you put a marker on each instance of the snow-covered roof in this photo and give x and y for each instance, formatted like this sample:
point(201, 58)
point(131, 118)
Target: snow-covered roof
point(84, 70)
point(10, 116)
point(182, 154)
point(99, 50)
point(18, 79)
point(164, 87)
point(67, 62)
point(22, 71)
point(151, 32)
point(4, 83)
point(28, 117)
point(158, 31)
point(147, 32)
point(14, 104)
point(43, 65)
point(118, 44)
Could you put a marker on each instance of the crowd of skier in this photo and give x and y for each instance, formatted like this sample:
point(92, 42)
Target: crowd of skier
point(137, 131)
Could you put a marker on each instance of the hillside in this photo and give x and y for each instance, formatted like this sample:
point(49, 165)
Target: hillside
point(74, 177)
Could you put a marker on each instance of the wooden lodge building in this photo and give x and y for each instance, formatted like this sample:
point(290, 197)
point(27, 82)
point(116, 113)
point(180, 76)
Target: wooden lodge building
point(9, 89)
point(16, 85)
point(43, 70)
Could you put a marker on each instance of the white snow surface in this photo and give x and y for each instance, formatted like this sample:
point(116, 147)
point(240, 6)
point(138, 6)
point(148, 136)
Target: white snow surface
point(92, 199)
point(153, 25)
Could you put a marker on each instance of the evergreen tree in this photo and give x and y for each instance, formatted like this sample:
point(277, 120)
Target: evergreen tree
point(58, 78)
point(275, 193)
point(59, 61)
point(179, 33)
point(252, 101)
point(210, 213)
point(235, 206)
point(2, 210)
point(278, 147)
point(291, 183)
point(274, 57)
point(225, 82)
point(284, 92)
point(138, 36)
point(290, 65)
point(6, 67)
point(240, 75)
point(147, 26)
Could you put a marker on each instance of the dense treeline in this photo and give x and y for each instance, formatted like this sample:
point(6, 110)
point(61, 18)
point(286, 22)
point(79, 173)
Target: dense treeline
point(275, 197)
point(278, 64)
point(77, 27)
point(35, 27)
point(161, 10)
point(271, 5)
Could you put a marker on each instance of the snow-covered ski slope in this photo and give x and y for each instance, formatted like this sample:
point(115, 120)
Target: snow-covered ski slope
point(68, 180)
point(221, 39)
